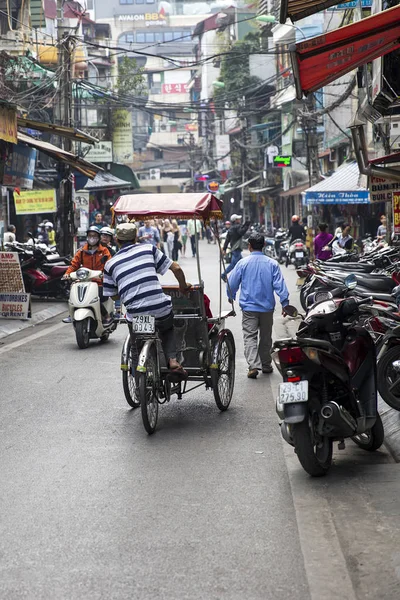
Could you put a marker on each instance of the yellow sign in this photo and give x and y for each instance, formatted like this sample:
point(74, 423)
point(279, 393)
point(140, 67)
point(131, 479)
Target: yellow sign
point(35, 202)
point(122, 136)
point(8, 124)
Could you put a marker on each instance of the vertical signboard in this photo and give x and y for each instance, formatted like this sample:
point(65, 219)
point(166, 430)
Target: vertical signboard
point(14, 302)
point(20, 167)
point(122, 136)
point(396, 214)
point(8, 124)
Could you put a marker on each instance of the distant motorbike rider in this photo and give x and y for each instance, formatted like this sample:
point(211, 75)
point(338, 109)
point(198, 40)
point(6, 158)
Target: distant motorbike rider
point(296, 231)
point(234, 238)
point(92, 256)
point(107, 238)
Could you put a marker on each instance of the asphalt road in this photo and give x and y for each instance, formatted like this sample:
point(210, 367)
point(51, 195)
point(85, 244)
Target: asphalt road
point(212, 506)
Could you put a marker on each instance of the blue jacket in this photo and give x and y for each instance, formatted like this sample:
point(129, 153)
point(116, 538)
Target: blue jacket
point(258, 277)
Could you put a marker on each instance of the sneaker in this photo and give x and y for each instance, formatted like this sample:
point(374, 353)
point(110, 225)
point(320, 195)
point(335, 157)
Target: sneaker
point(267, 369)
point(252, 374)
point(67, 320)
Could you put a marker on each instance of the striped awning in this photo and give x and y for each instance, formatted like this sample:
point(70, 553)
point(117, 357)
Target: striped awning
point(345, 186)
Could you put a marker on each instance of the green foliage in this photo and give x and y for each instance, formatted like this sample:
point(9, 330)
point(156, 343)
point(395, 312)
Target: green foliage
point(130, 79)
point(235, 71)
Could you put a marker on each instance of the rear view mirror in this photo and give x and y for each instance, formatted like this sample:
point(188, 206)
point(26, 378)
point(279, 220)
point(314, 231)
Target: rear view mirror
point(291, 311)
point(351, 281)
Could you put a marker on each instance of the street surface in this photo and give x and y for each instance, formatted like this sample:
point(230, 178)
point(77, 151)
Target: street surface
point(212, 506)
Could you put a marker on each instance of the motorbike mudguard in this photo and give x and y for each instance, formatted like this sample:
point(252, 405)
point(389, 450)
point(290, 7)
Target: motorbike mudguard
point(295, 412)
point(83, 313)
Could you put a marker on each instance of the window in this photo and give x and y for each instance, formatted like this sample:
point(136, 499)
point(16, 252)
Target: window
point(89, 5)
point(140, 38)
point(139, 1)
point(149, 37)
point(158, 154)
point(168, 37)
point(150, 1)
point(159, 37)
point(177, 35)
point(126, 1)
point(127, 38)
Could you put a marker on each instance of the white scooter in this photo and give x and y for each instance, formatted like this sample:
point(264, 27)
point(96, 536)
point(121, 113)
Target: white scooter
point(85, 309)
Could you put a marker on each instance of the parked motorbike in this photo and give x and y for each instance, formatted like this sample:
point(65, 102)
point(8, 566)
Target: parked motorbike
point(42, 278)
point(85, 308)
point(281, 244)
point(298, 254)
point(329, 387)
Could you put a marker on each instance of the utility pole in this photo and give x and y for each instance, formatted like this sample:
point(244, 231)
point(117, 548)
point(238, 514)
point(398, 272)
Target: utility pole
point(65, 217)
point(310, 128)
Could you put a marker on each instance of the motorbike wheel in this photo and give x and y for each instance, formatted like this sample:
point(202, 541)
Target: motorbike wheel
point(82, 332)
point(315, 460)
point(388, 378)
point(373, 439)
point(148, 385)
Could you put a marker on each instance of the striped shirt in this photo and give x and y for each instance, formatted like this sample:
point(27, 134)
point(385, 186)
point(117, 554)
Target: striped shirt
point(132, 274)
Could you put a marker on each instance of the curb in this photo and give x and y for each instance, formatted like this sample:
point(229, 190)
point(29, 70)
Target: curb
point(11, 327)
point(391, 424)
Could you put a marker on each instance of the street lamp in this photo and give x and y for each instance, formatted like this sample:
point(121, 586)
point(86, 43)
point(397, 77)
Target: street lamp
point(272, 19)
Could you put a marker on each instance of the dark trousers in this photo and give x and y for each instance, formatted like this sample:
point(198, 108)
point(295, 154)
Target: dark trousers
point(193, 243)
point(166, 332)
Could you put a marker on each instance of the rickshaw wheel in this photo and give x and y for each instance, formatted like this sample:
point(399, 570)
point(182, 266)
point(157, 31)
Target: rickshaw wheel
point(223, 377)
point(129, 383)
point(148, 392)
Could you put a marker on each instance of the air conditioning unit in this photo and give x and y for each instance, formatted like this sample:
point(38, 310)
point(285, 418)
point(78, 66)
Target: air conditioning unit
point(155, 173)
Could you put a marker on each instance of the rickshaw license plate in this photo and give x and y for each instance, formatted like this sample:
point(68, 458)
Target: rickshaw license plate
point(143, 324)
point(293, 392)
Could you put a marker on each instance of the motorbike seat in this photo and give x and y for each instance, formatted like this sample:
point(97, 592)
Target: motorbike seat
point(58, 271)
point(380, 284)
point(352, 267)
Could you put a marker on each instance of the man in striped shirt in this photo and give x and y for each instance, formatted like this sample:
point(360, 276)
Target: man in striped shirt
point(132, 274)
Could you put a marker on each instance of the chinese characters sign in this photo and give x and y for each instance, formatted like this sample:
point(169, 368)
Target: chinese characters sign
point(396, 214)
point(20, 167)
point(175, 88)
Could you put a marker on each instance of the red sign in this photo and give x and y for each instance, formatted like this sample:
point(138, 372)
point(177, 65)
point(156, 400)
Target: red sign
point(396, 214)
point(174, 88)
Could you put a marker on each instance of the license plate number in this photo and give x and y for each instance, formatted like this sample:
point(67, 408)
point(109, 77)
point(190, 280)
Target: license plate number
point(293, 392)
point(299, 254)
point(143, 324)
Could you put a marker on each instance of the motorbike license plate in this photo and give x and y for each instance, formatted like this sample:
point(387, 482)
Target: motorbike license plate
point(143, 324)
point(293, 392)
point(299, 254)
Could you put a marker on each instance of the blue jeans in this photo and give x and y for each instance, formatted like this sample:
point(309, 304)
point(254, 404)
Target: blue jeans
point(236, 256)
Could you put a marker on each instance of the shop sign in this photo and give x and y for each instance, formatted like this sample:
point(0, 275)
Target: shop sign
point(396, 214)
point(149, 19)
point(122, 137)
point(352, 4)
point(213, 187)
point(8, 124)
point(14, 306)
point(222, 151)
point(35, 202)
point(191, 127)
point(20, 167)
point(14, 302)
point(102, 152)
point(382, 189)
point(282, 161)
point(174, 88)
point(82, 212)
point(350, 197)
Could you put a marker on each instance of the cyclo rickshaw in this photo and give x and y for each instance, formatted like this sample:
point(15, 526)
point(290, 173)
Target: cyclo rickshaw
point(205, 348)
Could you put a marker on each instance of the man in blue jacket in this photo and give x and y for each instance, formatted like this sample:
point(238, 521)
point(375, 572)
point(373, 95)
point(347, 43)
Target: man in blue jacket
point(258, 277)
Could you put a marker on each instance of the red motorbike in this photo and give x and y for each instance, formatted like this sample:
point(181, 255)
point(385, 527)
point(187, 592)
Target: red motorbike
point(41, 278)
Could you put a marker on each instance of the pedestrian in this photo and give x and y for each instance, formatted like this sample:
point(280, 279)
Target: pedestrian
point(50, 233)
point(322, 240)
point(184, 236)
point(381, 233)
point(43, 238)
point(234, 238)
point(167, 237)
point(10, 235)
point(258, 277)
point(177, 245)
point(193, 231)
point(148, 234)
point(99, 221)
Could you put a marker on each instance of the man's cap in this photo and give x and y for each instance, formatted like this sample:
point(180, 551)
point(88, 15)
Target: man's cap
point(126, 231)
point(235, 217)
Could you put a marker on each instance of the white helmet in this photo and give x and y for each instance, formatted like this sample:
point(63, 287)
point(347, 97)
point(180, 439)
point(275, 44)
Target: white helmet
point(107, 231)
point(49, 224)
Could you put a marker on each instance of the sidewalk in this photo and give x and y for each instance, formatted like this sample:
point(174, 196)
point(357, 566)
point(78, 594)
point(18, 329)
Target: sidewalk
point(41, 311)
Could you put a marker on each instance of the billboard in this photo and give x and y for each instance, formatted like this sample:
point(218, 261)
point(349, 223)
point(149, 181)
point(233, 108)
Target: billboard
point(35, 202)
point(20, 167)
point(122, 137)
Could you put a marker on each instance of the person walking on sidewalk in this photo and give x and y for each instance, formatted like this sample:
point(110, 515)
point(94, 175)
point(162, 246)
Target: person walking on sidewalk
point(234, 238)
point(258, 277)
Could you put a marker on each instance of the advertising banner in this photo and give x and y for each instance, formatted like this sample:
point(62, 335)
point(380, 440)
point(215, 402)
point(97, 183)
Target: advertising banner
point(382, 189)
point(82, 212)
point(122, 136)
point(102, 152)
point(8, 124)
point(14, 302)
point(174, 88)
point(14, 306)
point(20, 167)
point(396, 214)
point(35, 202)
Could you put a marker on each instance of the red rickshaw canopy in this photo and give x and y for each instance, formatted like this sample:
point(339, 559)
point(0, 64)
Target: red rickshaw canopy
point(178, 206)
point(322, 59)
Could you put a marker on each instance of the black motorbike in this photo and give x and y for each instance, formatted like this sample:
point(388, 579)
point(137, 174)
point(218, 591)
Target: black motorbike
point(329, 389)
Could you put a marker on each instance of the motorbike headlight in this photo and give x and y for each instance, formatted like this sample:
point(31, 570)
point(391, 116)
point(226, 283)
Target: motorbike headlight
point(82, 274)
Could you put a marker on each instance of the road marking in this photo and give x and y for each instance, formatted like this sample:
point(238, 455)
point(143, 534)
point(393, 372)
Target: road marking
point(31, 338)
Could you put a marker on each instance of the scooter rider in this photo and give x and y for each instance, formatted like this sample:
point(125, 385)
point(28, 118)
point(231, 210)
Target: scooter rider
point(296, 231)
point(92, 256)
point(106, 238)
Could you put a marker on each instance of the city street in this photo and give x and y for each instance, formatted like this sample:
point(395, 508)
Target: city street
point(212, 506)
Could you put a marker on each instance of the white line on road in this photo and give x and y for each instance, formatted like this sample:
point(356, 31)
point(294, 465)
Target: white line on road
point(31, 338)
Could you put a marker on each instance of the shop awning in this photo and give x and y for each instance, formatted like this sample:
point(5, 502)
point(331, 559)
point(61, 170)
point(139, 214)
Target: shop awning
point(83, 166)
point(343, 187)
point(320, 60)
point(106, 181)
point(298, 9)
point(294, 191)
point(61, 130)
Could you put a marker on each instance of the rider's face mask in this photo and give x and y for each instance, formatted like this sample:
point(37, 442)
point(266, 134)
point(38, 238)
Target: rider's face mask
point(93, 240)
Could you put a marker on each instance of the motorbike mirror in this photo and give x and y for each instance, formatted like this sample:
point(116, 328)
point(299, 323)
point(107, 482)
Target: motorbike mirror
point(351, 281)
point(291, 311)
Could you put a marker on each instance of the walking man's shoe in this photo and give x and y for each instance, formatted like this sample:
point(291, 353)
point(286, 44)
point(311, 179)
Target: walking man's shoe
point(67, 320)
point(267, 369)
point(252, 374)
